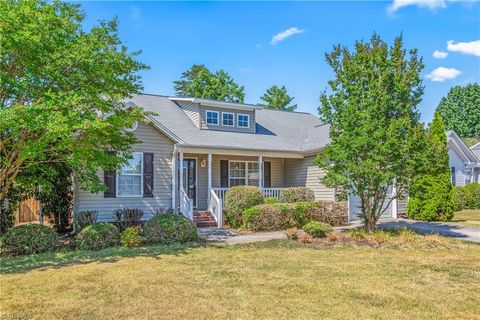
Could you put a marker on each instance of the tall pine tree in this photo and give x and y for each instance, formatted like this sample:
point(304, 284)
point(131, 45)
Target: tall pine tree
point(430, 194)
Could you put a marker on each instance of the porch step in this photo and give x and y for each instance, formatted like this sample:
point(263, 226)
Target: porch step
point(204, 219)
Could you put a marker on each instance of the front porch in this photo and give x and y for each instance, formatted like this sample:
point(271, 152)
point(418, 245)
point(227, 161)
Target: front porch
point(204, 176)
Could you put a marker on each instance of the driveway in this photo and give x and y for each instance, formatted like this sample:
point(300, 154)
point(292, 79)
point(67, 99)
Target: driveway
point(444, 229)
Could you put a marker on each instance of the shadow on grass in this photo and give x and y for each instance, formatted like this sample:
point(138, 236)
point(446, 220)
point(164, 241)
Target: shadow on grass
point(62, 258)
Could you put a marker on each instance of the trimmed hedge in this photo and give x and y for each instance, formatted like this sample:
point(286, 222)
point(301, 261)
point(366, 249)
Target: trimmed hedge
point(280, 216)
point(170, 228)
point(98, 236)
point(317, 229)
point(238, 199)
point(28, 239)
point(270, 217)
point(297, 194)
point(466, 197)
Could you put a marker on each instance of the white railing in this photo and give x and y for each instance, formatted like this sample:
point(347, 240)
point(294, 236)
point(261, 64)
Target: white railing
point(272, 192)
point(186, 205)
point(267, 193)
point(215, 206)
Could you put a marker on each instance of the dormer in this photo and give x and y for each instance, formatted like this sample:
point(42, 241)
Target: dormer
point(218, 115)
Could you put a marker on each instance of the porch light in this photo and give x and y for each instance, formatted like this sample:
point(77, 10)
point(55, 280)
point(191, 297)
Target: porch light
point(203, 163)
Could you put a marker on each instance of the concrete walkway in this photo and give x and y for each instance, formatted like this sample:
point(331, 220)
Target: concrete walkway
point(448, 230)
point(232, 237)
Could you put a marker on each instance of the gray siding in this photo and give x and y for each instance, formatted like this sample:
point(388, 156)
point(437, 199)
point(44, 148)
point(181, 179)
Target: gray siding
point(304, 173)
point(402, 206)
point(162, 147)
point(459, 165)
point(204, 125)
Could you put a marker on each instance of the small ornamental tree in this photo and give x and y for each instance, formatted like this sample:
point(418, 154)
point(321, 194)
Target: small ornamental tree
point(371, 108)
point(430, 196)
point(277, 98)
point(199, 82)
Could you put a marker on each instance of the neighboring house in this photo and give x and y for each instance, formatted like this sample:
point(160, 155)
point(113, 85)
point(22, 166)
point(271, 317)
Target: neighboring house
point(193, 150)
point(464, 161)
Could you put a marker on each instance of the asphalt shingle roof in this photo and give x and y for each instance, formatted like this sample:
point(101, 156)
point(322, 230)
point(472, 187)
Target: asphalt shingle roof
point(275, 130)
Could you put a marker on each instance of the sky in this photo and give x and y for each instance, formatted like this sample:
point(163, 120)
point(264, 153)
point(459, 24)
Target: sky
point(261, 44)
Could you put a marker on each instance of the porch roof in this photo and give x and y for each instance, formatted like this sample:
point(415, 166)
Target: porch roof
point(276, 131)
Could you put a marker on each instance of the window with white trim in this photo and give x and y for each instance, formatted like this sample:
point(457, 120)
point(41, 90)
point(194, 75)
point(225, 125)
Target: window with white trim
point(212, 117)
point(130, 177)
point(243, 120)
point(243, 173)
point(227, 119)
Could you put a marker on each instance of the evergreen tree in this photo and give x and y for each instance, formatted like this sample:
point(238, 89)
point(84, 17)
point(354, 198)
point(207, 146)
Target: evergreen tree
point(430, 194)
point(278, 98)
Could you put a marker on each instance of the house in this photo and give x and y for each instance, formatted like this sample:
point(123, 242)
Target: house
point(193, 150)
point(464, 161)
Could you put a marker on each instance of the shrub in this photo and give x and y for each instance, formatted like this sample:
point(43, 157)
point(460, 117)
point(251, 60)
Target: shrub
point(460, 197)
point(270, 200)
point(473, 189)
point(238, 199)
point(127, 217)
point(170, 228)
point(317, 229)
point(162, 210)
point(28, 239)
point(97, 236)
point(270, 217)
point(130, 237)
point(330, 212)
point(297, 194)
point(431, 198)
point(305, 238)
point(84, 218)
point(292, 233)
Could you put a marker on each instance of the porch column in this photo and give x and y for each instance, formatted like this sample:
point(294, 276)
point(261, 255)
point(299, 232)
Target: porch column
point(260, 172)
point(209, 175)
point(174, 181)
point(394, 201)
point(181, 170)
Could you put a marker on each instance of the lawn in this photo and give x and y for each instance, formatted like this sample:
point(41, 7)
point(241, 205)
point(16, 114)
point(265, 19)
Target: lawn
point(273, 280)
point(467, 218)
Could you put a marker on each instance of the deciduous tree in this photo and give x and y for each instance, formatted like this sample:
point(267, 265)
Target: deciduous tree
point(460, 110)
point(61, 93)
point(199, 82)
point(371, 108)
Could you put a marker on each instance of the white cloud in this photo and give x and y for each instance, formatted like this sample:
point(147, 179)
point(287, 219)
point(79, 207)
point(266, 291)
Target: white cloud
point(430, 4)
point(285, 34)
point(135, 12)
point(472, 47)
point(440, 54)
point(441, 74)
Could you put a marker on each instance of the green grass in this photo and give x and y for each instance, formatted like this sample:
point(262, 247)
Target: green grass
point(468, 218)
point(272, 280)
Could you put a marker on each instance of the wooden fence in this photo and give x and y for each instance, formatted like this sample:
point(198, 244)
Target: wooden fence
point(28, 211)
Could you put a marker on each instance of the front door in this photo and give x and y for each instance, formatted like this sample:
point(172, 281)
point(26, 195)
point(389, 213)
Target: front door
point(190, 179)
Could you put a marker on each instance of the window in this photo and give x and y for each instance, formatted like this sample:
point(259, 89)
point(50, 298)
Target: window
point(227, 119)
point(243, 173)
point(212, 117)
point(130, 177)
point(243, 120)
point(454, 182)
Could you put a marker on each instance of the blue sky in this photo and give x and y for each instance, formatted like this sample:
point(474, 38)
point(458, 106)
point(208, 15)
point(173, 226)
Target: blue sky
point(239, 38)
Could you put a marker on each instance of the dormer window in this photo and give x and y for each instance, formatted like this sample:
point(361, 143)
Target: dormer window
point(212, 117)
point(243, 120)
point(227, 119)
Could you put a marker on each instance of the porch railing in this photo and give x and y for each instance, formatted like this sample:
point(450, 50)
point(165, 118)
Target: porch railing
point(267, 193)
point(186, 205)
point(215, 206)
